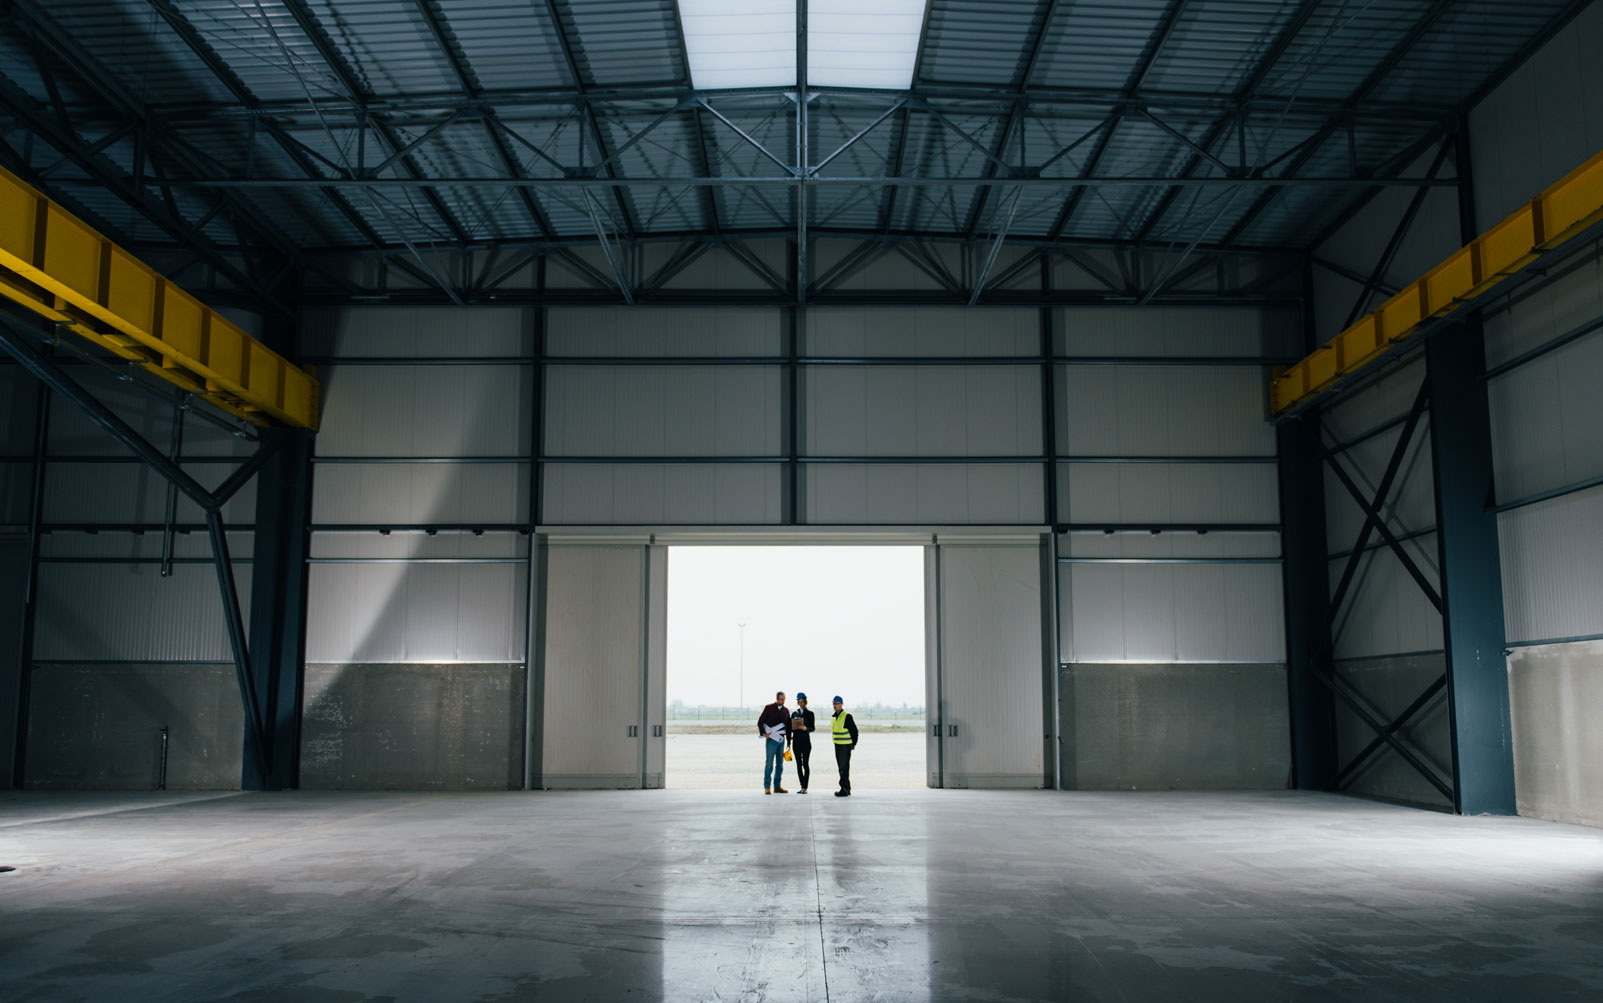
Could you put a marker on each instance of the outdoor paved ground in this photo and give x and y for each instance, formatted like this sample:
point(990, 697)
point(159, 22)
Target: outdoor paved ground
point(731, 762)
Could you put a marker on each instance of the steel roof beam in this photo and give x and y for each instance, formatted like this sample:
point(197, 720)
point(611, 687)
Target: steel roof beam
point(359, 97)
point(1375, 78)
point(587, 112)
point(1155, 43)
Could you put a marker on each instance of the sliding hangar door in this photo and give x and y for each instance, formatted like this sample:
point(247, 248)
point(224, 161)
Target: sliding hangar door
point(600, 674)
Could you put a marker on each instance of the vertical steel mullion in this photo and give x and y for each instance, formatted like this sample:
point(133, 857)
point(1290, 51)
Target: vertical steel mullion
point(1053, 630)
point(533, 625)
point(41, 438)
point(798, 322)
point(167, 534)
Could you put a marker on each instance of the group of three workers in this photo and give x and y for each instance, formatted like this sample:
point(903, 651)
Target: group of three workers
point(781, 728)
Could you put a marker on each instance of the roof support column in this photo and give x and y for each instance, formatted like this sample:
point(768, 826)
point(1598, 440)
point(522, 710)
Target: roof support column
point(1306, 580)
point(279, 606)
point(1471, 570)
point(22, 580)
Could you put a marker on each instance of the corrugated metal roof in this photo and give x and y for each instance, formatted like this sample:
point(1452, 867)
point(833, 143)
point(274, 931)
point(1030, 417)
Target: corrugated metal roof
point(553, 75)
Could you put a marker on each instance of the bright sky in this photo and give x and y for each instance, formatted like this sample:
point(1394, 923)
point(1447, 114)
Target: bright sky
point(823, 620)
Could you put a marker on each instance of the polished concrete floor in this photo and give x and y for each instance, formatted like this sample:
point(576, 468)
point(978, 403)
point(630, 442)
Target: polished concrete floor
point(690, 895)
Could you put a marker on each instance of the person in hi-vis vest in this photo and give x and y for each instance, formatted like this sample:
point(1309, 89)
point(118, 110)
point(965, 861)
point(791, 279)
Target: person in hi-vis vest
point(844, 730)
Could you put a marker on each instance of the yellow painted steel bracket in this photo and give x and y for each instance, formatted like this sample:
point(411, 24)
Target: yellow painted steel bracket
point(63, 270)
point(1558, 216)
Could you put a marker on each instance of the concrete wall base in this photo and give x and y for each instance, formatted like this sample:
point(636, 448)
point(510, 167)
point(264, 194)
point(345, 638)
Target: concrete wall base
point(1556, 696)
point(387, 726)
point(1175, 726)
point(98, 727)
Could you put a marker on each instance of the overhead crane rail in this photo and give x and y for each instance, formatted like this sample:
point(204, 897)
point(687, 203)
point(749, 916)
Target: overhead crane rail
point(1559, 215)
point(60, 268)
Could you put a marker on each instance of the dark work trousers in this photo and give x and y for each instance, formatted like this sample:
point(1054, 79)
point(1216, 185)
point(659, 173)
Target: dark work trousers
point(803, 751)
point(843, 760)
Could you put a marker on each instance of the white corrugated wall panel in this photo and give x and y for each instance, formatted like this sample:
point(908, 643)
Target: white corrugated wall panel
point(1385, 612)
point(611, 332)
point(1547, 421)
point(1410, 504)
point(594, 665)
point(924, 493)
point(425, 411)
point(1171, 613)
point(1095, 543)
point(1552, 559)
point(1163, 411)
point(1138, 493)
point(876, 332)
point(416, 493)
point(991, 665)
point(672, 411)
point(134, 493)
point(415, 613)
point(418, 331)
point(923, 411)
point(662, 493)
point(128, 612)
point(1522, 139)
point(1159, 331)
point(1388, 397)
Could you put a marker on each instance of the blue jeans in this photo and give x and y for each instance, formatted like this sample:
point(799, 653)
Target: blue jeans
point(773, 762)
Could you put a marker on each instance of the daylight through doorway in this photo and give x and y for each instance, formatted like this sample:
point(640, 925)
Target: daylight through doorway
point(746, 622)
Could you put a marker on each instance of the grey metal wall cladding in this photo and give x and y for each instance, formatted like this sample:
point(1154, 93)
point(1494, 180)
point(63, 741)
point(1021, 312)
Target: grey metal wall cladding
point(1185, 546)
point(1547, 419)
point(1389, 397)
point(991, 666)
point(413, 493)
point(1572, 297)
point(1163, 411)
point(426, 411)
point(1552, 558)
point(924, 493)
point(1175, 331)
point(1522, 141)
point(663, 411)
point(922, 331)
point(923, 411)
point(18, 400)
point(16, 490)
point(417, 331)
point(1387, 686)
point(73, 433)
point(1171, 613)
point(718, 269)
point(416, 613)
point(661, 493)
point(1386, 613)
point(663, 331)
point(395, 546)
point(1167, 492)
point(594, 665)
point(128, 612)
point(133, 492)
point(1410, 504)
point(121, 547)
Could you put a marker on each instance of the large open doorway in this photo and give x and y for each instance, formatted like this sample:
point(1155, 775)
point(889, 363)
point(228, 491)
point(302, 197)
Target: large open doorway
point(746, 621)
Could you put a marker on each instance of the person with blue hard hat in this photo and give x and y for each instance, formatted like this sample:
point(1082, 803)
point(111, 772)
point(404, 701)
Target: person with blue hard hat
point(844, 730)
point(802, 723)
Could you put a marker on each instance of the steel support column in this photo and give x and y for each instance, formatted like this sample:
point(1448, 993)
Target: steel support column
point(1471, 569)
point(279, 607)
point(1307, 602)
point(17, 720)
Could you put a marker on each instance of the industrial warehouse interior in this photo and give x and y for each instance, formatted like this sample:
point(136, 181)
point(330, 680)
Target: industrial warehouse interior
point(1224, 368)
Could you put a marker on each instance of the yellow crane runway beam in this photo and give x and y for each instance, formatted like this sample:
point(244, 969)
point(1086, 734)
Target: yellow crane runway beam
point(1554, 218)
point(62, 269)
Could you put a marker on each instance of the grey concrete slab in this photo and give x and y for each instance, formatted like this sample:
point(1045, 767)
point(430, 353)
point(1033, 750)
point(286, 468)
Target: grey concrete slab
point(1556, 697)
point(905, 895)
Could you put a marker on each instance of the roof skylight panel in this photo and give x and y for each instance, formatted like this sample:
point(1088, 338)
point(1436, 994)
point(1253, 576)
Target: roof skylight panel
point(740, 43)
point(863, 43)
point(850, 43)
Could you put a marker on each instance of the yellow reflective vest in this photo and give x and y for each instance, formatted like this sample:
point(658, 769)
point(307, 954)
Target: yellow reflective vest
point(838, 727)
